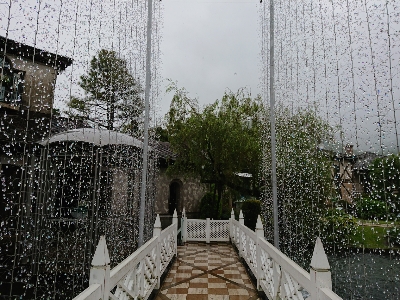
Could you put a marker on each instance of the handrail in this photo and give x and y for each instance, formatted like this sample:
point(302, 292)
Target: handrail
point(138, 274)
point(277, 275)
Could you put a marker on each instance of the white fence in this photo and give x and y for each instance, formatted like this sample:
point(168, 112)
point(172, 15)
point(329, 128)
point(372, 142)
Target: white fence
point(204, 230)
point(277, 275)
point(138, 274)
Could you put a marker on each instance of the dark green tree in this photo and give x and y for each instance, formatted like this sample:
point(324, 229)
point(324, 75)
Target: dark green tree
point(112, 95)
point(384, 183)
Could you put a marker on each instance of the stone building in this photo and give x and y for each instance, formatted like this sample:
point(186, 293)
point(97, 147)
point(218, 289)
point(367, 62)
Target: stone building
point(175, 191)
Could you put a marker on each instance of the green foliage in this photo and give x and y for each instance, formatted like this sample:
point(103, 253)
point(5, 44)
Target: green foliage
point(369, 209)
point(394, 236)
point(111, 93)
point(161, 134)
point(208, 207)
point(217, 142)
point(251, 209)
point(385, 182)
point(337, 230)
point(303, 179)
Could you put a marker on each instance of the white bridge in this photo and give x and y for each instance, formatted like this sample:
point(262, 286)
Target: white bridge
point(277, 275)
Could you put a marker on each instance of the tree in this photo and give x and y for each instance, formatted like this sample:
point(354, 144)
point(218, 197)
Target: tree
point(112, 96)
point(218, 142)
point(384, 183)
point(304, 181)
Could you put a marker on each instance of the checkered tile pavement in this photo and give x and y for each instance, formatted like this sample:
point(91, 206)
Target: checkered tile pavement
point(207, 271)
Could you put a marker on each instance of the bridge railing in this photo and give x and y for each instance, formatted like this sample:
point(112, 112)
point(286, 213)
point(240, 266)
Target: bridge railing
point(139, 274)
point(277, 275)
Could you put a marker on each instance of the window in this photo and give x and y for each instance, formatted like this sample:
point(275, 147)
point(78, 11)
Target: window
point(11, 83)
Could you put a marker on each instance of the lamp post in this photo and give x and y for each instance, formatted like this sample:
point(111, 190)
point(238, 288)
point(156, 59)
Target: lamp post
point(146, 123)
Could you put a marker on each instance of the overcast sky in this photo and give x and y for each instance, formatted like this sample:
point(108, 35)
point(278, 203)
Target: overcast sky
point(210, 46)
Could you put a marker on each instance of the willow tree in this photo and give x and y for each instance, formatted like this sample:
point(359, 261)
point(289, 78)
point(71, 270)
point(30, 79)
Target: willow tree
point(112, 95)
point(217, 142)
point(304, 180)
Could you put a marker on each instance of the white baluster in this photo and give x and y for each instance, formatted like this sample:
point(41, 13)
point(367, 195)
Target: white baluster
point(100, 271)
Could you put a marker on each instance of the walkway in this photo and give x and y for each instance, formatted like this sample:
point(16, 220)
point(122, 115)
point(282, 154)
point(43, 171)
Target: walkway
point(207, 271)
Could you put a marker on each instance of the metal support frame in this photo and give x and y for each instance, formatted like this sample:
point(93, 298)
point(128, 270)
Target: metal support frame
point(146, 123)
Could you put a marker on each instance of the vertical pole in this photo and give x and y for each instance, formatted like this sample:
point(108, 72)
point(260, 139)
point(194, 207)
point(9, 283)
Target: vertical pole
point(146, 122)
point(272, 115)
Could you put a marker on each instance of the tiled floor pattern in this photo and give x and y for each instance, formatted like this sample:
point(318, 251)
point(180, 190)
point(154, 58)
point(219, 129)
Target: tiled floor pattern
point(204, 271)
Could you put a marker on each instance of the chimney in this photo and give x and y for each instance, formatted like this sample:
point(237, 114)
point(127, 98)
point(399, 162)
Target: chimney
point(349, 150)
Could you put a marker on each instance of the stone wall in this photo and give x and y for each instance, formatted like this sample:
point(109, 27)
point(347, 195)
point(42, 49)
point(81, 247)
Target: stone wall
point(191, 192)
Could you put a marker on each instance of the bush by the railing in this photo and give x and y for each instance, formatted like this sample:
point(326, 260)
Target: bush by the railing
point(394, 236)
point(251, 209)
point(209, 206)
point(337, 229)
point(370, 209)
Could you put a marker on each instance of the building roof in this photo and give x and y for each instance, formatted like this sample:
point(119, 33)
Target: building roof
point(164, 150)
point(33, 53)
point(98, 137)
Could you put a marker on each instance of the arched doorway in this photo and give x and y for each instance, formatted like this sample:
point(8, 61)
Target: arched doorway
point(174, 197)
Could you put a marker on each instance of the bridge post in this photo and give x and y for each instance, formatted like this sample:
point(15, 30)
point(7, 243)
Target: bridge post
point(260, 235)
point(208, 230)
point(241, 223)
point(100, 271)
point(157, 233)
point(320, 272)
point(175, 221)
point(183, 226)
point(231, 224)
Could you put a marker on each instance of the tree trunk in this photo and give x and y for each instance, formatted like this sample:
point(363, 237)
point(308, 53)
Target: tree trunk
point(219, 187)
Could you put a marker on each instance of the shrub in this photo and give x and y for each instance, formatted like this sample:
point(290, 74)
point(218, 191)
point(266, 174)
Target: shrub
point(338, 229)
point(208, 206)
point(369, 209)
point(394, 236)
point(251, 209)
